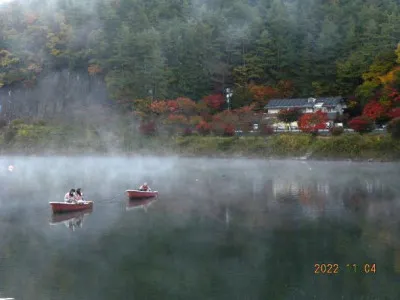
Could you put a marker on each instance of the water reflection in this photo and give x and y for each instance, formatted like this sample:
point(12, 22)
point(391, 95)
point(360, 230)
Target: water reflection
point(355, 195)
point(5, 298)
point(222, 230)
point(71, 220)
point(139, 204)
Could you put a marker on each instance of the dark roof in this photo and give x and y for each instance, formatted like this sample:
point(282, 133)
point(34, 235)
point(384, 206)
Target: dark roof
point(302, 102)
point(331, 101)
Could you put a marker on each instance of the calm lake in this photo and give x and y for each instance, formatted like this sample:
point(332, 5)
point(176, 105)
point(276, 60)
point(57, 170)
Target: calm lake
point(220, 229)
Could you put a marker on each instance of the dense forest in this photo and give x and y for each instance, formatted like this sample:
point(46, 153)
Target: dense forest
point(164, 49)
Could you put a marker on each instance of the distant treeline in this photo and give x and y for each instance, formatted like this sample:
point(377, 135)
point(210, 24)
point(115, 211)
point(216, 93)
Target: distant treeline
point(167, 49)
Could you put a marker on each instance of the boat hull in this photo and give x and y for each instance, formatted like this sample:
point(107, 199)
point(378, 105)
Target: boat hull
point(60, 207)
point(136, 194)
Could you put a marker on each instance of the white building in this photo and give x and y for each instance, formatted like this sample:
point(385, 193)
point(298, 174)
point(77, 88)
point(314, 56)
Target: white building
point(330, 105)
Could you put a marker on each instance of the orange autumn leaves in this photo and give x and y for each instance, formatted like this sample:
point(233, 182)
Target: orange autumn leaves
point(94, 69)
point(262, 94)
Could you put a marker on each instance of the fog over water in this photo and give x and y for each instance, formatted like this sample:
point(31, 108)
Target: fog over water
point(220, 229)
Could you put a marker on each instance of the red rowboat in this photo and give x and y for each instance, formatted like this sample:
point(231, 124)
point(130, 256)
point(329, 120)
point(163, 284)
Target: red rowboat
point(136, 194)
point(59, 207)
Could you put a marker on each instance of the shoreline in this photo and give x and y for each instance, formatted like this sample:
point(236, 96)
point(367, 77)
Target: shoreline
point(138, 154)
point(302, 147)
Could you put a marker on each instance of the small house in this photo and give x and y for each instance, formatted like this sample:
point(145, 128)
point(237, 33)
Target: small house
point(330, 105)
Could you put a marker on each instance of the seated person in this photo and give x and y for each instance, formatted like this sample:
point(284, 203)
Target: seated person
point(79, 195)
point(144, 187)
point(70, 196)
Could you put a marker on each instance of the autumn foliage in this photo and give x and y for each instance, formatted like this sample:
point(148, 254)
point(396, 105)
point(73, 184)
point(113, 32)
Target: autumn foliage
point(177, 119)
point(394, 113)
point(194, 120)
point(390, 76)
point(384, 107)
point(186, 106)
point(246, 117)
point(374, 110)
point(224, 123)
point(395, 95)
point(261, 94)
point(203, 128)
point(180, 105)
point(285, 88)
point(361, 124)
point(94, 69)
point(172, 105)
point(214, 101)
point(313, 122)
point(183, 115)
point(229, 130)
point(159, 107)
point(202, 108)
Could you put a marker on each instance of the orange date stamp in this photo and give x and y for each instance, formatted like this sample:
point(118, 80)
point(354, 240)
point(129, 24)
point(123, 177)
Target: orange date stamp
point(352, 268)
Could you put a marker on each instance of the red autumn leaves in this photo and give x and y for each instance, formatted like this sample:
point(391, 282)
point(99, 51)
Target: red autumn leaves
point(187, 106)
point(203, 128)
point(394, 113)
point(386, 108)
point(379, 112)
point(361, 124)
point(313, 122)
point(374, 110)
point(215, 101)
point(183, 115)
point(206, 116)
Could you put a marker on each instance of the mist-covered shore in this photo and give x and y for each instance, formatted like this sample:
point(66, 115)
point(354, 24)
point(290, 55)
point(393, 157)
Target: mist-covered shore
point(64, 142)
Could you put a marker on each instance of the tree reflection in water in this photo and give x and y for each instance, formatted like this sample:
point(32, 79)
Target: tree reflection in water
point(281, 224)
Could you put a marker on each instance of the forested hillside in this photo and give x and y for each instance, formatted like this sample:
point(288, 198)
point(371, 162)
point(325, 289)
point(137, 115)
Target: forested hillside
point(164, 49)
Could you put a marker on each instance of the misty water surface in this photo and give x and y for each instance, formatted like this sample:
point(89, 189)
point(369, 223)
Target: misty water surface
point(220, 229)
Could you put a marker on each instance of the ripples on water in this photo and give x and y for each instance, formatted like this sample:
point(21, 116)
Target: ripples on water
point(221, 229)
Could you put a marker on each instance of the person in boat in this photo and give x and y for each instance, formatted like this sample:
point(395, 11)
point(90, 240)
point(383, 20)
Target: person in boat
point(70, 196)
point(79, 195)
point(144, 187)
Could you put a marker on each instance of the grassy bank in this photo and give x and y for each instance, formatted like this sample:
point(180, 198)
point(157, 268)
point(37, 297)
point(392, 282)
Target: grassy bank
point(293, 145)
point(44, 139)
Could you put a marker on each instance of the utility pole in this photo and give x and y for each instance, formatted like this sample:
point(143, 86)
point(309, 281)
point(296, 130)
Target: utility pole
point(228, 95)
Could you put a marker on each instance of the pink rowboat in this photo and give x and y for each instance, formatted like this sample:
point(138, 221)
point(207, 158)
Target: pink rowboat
point(136, 194)
point(59, 207)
